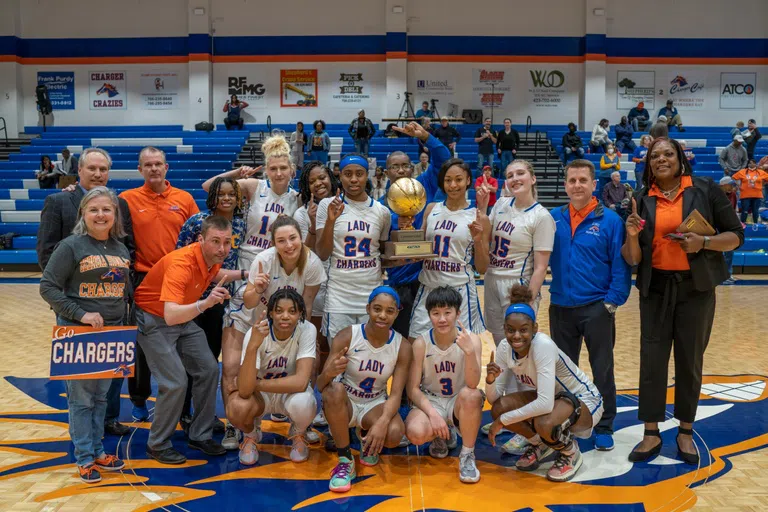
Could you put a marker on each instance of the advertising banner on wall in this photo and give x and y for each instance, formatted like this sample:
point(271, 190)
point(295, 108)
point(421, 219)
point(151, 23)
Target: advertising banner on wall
point(633, 87)
point(247, 89)
point(159, 90)
point(687, 90)
point(61, 88)
point(298, 87)
point(547, 88)
point(491, 87)
point(738, 91)
point(434, 88)
point(351, 90)
point(108, 90)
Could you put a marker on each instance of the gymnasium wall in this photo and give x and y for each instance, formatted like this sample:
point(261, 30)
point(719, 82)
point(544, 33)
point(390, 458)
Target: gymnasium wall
point(544, 57)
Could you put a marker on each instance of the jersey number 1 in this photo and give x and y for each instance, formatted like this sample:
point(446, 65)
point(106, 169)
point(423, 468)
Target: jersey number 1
point(446, 245)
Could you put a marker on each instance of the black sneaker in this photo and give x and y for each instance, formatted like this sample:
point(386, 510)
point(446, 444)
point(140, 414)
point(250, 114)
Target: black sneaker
point(185, 422)
point(208, 447)
point(115, 428)
point(167, 456)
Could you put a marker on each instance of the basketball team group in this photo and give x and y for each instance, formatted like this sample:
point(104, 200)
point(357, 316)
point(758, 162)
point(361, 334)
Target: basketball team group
point(287, 287)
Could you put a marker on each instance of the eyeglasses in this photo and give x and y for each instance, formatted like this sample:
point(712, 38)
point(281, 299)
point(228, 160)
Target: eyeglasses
point(397, 167)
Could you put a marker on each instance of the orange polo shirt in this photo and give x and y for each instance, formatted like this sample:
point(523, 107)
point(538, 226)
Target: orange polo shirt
point(578, 216)
point(180, 276)
point(157, 220)
point(751, 182)
point(667, 254)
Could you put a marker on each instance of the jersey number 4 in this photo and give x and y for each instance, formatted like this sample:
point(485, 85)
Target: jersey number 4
point(276, 375)
point(351, 247)
point(447, 386)
point(367, 384)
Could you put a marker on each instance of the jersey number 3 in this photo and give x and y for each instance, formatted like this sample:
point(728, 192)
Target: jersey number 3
point(447, 386)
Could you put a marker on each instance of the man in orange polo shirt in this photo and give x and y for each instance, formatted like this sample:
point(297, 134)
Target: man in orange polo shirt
point(167, 302)
point(160, 211)
point(590, 279)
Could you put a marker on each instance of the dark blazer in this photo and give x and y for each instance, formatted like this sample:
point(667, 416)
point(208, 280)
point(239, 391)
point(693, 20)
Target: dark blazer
point(708, 268)
point(59, 217)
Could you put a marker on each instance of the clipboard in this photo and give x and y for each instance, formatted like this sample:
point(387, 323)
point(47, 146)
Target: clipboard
point(696, 223)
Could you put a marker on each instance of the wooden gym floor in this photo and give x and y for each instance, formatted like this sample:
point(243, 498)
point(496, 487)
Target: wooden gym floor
point(37, 473)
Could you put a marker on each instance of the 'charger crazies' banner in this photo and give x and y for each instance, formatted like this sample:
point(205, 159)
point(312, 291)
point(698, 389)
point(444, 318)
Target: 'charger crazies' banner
point(87, 353)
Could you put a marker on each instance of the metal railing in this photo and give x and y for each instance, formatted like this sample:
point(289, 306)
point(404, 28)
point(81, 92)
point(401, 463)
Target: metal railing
point(536, 143)
point(528, 125)
point(4, 128)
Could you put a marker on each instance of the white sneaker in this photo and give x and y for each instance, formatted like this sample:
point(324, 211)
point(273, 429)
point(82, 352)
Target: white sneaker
point(231, 440)
point(468, 472)
point(249, 453)
point(299, 445)
point(320, 420)
point(312, 437)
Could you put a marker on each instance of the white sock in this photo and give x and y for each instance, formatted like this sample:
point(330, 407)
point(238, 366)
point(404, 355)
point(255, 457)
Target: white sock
point(466, 450)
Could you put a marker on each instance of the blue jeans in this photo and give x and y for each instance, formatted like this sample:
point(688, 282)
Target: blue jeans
point(729, 261)
point(483, 159)
point(361, 146)
point(319, 155)
point(506, 159)
point(568, 152)
point(752, 203)
point(87, 401)
point(629, 146)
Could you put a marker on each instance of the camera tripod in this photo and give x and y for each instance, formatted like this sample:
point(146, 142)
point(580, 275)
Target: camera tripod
point(406, 111)
point(433, 108)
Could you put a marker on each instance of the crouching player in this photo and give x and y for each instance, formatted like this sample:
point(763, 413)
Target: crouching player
point(354, 386)
point(564, 404)
point(442, 384)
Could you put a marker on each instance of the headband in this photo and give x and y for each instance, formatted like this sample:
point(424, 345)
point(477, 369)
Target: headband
point(388, 290)
point(524, 309)
point(353, 160)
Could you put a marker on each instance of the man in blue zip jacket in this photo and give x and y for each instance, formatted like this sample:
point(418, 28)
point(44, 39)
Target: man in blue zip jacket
point(405, 278)
point(590, 280)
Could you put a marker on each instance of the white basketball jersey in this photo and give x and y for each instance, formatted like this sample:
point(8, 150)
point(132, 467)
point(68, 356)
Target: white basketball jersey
point(515, 235)
point(355, 261)
point(302, 217)
point(452, 243)
point(369, 368)
point(277, 359)
point(265, 208)
point(443, 370)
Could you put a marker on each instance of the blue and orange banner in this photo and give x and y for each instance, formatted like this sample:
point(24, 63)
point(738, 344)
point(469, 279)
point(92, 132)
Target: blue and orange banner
point(87, 353)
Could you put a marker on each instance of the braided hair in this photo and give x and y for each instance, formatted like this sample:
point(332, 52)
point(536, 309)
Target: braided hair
point(212, 200)
point(290, 294)
point(304, 192)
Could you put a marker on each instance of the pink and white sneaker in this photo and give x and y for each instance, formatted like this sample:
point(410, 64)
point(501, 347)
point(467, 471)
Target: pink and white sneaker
point(534, 456)
point(566, 466)
point(249, 453)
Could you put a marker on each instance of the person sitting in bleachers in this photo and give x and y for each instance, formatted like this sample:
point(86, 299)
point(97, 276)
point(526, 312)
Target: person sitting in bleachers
point(379, 183)
point(572, 144)
point(47, 175)
point(424, 111)
point(659, 128)
point(624, 134)
point(600, 138)
point(68, 164)
point(688, 155)
point(639, 117)
point(738, 130)
point(639, 158)
point(421, 167)
point(234, 108)
point(733, 157)
point(673, 117)
point(616, 196)
point(609, 163)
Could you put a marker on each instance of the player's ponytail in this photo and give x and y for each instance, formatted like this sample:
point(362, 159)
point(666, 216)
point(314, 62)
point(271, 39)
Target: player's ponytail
point(520, 294)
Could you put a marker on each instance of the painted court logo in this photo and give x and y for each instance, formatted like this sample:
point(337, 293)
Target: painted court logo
point(730, 421)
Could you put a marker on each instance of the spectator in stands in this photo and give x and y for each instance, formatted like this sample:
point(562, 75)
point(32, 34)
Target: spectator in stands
point(57, 221)
point(624, 133)
point(79, 262)
point(688, 155)
point(485, 136)
point(738, 130)
point(590, 280)
point(447, 134)
point(68, 164)
point(728, 186)
point(298, 142)
point(158, 212)
point(609, 162)
point(234, 109)
point(615, 195)
point(336, 172)
point(421, 167)
point(677, 281)
point(673, 117)
point(734, 157)
point(507, 145)
point(639, 157)
point(379, 184)
point(424, 111)
point(751, 182)
point(600, 137)
point(752, 137)
point(167, 302)
point(660, 128)
point(491, 185)
point(361, 130)
point(572, 144)
point(639, 117)
point(320, 143)
point(47, 175)
point(225, 200)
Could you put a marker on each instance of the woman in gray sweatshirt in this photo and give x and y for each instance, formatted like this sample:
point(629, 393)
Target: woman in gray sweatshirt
point(85, 282)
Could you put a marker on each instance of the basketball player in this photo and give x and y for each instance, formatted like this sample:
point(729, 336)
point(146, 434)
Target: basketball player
point(276, 364)
point(350, 230)
point(448, 228)
point(268, 199)
point(562, 403)
point(354, 386)
point(442, 384)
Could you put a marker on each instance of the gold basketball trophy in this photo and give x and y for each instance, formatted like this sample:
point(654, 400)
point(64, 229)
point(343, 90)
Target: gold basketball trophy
point(407, 197)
